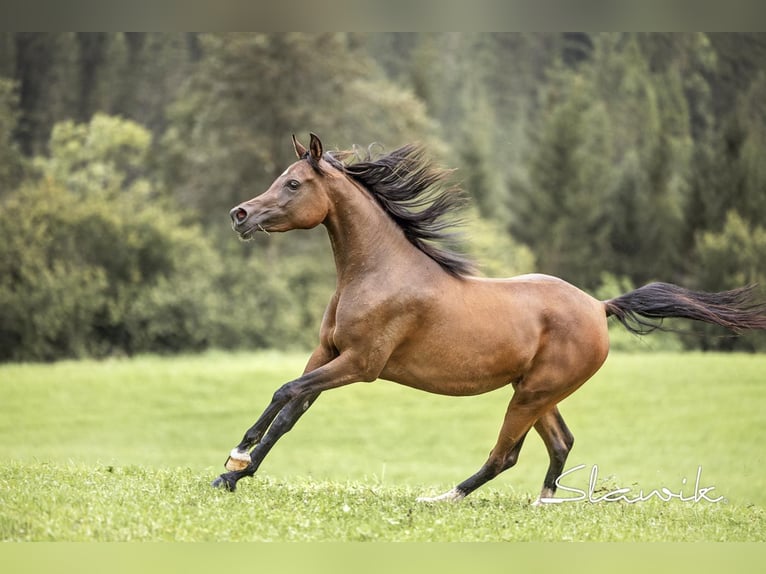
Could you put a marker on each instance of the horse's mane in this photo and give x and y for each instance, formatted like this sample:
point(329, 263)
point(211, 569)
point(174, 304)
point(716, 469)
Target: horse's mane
point(415, 194)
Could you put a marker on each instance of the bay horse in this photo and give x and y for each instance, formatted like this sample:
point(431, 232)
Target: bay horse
point(407, 309)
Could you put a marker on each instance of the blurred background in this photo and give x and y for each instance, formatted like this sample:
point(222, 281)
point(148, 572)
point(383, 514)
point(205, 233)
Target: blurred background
point(607, 159)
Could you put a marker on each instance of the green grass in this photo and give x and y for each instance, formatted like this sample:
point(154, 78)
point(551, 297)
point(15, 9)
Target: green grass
point(124, 450)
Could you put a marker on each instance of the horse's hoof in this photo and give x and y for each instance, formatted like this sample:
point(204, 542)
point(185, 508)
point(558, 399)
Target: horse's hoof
point(237, 460)
point(224, 483)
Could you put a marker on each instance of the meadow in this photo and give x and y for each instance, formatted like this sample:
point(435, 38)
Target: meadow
point(125, 449)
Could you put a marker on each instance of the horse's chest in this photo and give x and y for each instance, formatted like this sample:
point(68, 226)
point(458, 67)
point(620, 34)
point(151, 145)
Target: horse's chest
point(372, 319)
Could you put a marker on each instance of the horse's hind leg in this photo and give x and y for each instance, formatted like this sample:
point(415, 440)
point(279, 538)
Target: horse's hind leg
point(559, 441)
point(534, 399)
point(485, 474)
point(525, 408)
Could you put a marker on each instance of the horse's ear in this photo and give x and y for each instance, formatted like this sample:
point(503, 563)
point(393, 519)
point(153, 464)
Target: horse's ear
point(315, 146)
point(300, 151)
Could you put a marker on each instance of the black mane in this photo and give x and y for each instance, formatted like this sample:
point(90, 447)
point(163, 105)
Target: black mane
point(413, 192)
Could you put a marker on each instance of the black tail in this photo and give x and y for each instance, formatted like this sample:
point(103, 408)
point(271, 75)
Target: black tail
point(737, 310)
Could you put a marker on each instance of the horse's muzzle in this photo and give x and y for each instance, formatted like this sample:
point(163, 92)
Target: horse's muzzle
point(245, 220)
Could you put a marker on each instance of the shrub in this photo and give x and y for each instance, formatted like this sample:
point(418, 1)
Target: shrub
point(84, 276)
point(731, 258)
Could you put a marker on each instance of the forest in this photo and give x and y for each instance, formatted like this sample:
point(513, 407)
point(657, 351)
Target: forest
point(609, 159)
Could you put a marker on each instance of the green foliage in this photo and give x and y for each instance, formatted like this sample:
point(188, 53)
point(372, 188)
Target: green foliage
point(556, 208)
point(475, 149)
point(734, 257)
point(10, 155)
point(46, 302)
point(274, 295)
point(94, 261)
point(98, 158)
point(650, 147)
point(496, 253)
point(729, 174)
point(84, 276)
point(613, 152)
point(606, 174)
point(92, 265)
point(229, 132)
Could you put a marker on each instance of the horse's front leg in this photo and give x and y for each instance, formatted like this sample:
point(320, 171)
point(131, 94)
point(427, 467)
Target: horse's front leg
point(242, 463)
point(287, 405)
point(239, 457)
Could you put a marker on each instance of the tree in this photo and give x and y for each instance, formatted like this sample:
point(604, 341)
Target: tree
point(626, 153)
point(10, 155)
point(146, 72)
point(649, 150)
point(732, 258)
point(92, 263)
point(42, 71)
point(728, 168)
point(102, 158)
point(92, 48)
point(558, 211)
point(229, 130)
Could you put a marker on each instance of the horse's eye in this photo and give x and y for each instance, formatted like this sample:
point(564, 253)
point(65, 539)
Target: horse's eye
point(293, 184)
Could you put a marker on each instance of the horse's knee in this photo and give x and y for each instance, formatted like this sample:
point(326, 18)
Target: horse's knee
point(284, 394)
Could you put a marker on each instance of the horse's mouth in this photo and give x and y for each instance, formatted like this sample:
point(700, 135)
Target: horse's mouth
point(249, 233)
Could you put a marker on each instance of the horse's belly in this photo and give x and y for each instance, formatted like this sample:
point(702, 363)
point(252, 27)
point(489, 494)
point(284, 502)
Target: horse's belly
point(452, 386)
point(451, 368)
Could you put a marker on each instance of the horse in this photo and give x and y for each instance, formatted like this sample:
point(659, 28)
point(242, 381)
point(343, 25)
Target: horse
point(409, 309)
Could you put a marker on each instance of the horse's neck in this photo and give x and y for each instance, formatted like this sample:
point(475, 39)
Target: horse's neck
point(363, 236)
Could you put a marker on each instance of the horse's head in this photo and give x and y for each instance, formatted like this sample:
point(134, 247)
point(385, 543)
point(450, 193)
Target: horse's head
point(297, 199)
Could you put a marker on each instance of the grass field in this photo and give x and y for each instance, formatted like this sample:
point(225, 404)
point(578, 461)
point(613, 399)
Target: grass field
point(124, 450)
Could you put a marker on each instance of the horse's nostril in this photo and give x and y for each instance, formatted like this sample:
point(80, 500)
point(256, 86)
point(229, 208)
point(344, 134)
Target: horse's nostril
point(238, 215)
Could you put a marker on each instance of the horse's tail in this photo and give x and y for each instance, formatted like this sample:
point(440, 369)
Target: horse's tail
point(737, 310)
